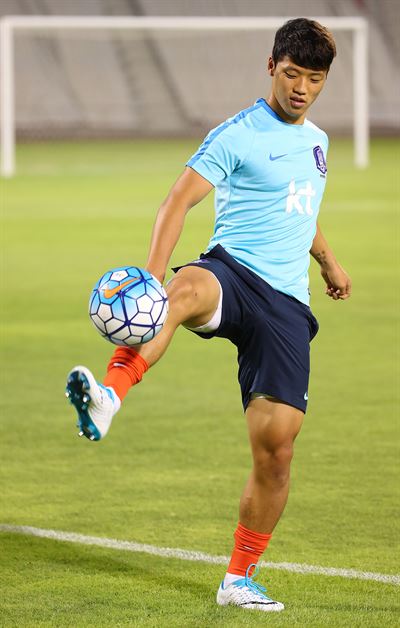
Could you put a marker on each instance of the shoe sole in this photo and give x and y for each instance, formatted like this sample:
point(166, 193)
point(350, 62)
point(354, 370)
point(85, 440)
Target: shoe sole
point(266, 608)
point(77, 392)
point(271, 607)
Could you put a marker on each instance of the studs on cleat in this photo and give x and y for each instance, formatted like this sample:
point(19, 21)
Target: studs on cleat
point(84, 381)
point(78, 392)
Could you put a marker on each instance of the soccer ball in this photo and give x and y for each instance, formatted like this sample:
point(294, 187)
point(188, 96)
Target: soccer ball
point(128, 306)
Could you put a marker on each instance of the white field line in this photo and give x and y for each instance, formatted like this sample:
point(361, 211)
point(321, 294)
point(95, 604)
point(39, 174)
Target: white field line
point(168, 552)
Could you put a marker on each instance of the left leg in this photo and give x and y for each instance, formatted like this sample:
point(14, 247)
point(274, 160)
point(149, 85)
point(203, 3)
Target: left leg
point(273, 427)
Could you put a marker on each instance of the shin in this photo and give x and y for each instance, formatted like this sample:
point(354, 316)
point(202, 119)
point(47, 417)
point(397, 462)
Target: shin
point(273, 427)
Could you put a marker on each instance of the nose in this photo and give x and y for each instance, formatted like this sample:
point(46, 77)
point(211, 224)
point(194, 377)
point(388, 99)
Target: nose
point(300, 86)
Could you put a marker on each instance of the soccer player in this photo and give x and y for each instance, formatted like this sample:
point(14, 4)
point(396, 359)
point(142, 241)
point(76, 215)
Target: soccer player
point(267, 165)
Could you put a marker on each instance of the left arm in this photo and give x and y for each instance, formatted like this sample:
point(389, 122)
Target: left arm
point(338, 283)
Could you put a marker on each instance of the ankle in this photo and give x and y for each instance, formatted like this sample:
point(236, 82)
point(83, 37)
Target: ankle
point(231, 577)
point(114, 398)
point(249, 546)
point(125, 369)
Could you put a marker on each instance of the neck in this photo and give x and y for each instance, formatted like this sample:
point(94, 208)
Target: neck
point(274, 104)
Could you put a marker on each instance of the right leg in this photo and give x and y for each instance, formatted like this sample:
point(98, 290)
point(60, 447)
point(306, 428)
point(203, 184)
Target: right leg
point(193, 296)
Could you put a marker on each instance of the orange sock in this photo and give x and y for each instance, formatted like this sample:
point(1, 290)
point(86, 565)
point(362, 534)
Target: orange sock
point(125, 369)
point(248, 548)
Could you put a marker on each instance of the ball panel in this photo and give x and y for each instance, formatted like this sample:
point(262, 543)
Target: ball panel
point(108, 285)
point(145, 303)
point(106, 277)
point(116, 341)
point(135, 290)
point(104, 312)
point(99, 324)
point(134, 340)
point(95, 303)
point(118, 310)
point(122, 334)
point(157, 310)
point(143, 318)
point(152, 292)
point(119, 275)
point(138, 330)
point(148, 336)
point(130, 307)
point(112, 325)
point(164, 313)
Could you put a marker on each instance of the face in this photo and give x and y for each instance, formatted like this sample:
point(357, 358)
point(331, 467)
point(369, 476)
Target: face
point(294, 89)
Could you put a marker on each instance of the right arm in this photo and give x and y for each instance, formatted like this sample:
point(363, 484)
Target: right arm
point(338, 283)
point(189, 190)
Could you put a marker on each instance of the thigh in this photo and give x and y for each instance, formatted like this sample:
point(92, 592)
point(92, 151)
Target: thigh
point(272, 424)
point(274, 357)
point(193, 295)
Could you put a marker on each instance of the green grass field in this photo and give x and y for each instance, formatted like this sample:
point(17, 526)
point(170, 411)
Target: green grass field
point(172, 468)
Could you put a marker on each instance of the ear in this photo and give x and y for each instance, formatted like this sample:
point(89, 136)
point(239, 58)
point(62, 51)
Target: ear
point(271, 66)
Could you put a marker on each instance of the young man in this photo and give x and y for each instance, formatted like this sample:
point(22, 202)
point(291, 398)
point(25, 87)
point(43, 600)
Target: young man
point(267, 165)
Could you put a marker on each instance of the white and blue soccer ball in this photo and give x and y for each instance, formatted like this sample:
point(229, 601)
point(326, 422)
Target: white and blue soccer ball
point(128, 306)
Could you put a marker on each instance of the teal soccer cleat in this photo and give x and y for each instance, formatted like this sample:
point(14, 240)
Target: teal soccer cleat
point(95, 404)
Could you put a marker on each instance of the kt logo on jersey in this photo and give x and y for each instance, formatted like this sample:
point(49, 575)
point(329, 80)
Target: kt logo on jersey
point(293, 199)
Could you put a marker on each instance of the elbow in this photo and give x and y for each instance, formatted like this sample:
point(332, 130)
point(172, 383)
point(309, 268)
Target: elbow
point(174, 204)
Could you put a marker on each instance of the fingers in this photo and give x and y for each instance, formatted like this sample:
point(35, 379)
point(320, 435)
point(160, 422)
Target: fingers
point(333, 294)
point(345, 292)
point(338, 294)
point(338, 284)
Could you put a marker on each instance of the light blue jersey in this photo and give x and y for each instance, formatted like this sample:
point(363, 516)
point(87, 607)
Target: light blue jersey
point(269, 178)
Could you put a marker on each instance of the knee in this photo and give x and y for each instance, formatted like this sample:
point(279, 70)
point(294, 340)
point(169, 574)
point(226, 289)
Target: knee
point(273, 464)
point(182, 297)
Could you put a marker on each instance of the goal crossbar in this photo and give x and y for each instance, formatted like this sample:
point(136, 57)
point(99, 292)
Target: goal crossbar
point(10, 24)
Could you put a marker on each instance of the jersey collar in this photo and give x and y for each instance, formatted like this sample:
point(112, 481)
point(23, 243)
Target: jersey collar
point(273, 114)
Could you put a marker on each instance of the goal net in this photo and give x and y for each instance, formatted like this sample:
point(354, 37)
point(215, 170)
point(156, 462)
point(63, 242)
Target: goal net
point(110, 77)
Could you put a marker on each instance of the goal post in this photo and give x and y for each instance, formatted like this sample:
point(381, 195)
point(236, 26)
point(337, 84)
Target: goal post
point(10, 25)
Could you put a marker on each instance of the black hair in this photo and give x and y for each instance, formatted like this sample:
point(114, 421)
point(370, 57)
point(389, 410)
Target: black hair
point(306, 42)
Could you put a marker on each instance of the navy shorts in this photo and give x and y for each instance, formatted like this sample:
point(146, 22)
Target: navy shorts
point(271, 330)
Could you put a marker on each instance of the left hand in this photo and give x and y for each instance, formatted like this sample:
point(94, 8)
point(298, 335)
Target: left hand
point(338, 282)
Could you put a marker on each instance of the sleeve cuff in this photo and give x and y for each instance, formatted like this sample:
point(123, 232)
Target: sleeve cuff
point(202, 170)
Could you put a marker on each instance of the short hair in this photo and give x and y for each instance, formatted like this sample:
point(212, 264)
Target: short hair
point(306, 42)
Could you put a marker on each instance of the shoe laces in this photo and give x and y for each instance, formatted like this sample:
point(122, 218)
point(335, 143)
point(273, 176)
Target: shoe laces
point(248, 581)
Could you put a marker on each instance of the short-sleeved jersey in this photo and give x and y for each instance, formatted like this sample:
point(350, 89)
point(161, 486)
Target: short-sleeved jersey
point(269, 178)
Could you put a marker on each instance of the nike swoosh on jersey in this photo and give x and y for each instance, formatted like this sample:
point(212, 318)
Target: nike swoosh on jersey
point(273, 158)
point(110, 293)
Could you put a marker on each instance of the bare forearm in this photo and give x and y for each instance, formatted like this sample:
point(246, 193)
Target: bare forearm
point(166, 231)
point(189, 190)
point(338, 282)
point(321, 251)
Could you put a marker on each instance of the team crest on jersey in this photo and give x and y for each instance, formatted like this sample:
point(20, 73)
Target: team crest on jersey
point(320, 159)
